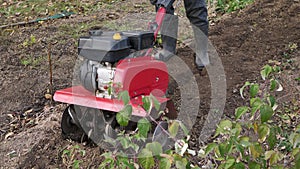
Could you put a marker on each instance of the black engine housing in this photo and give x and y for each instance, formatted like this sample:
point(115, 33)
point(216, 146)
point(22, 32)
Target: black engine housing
point(102, 47)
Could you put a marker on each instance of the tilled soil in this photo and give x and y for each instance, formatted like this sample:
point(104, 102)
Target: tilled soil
point(29, 123)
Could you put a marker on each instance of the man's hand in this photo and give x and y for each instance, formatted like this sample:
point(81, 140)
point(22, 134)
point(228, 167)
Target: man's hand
point(153, 2)
point(165, 3)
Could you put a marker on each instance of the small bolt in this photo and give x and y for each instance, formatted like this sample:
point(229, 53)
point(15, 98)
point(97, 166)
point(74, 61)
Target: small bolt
point(157, 79)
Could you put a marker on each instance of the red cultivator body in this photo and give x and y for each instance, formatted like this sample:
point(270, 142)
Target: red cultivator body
point(109, 66)
point(139, 76)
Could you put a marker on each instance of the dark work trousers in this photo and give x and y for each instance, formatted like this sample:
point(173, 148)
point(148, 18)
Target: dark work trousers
point(196, 12)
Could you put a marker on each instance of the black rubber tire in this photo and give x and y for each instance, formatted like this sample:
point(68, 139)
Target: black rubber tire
point(69, 129)
point(93, 123)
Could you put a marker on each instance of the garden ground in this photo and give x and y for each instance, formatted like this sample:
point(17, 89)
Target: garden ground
point(264, 32)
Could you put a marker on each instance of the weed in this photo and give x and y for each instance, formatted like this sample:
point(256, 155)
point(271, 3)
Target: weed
point(72, 156)
point(31, 61)
point(149, 155)
point(252, 139)
point(225, 6)
point(292, 47)
point(29, 42)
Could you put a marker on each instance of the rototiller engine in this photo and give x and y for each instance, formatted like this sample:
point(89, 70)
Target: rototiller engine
point(120, 61)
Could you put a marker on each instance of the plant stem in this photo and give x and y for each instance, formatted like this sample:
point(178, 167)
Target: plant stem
point(50, 69)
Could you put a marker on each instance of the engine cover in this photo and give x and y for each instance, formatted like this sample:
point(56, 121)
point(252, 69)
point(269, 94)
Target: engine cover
point(142, 76)
point(102, 47)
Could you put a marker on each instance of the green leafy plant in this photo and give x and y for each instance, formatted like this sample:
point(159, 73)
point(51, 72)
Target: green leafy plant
point(72, 156)
point(29, 42)
point(31, 61)
point(252, 140)
point(225, 6)
point(149, 154)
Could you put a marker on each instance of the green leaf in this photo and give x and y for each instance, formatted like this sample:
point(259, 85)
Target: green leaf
point(155, 148)
point(271, 140)
point(125, 163)
point(185, 130)
point(255, 104)
point(295, 140)
point(173, 128)
point(124, 95)
point(145, 159)
point(276, 69)
point(144, 127)
point(124, 142)
point(239, 165)
point(268, 154)
point(255, 150)
point(109, 90)
point(263, 132)
point(221, 166)
point(241, 111)
point(124, 115)
point(237, 130)
point(229, 163)
point(271, 100)
point(82, 152)
point(244, 138)
point(134, 146)
point(222, 149)
point(66, 152)
point(240, 148)
point(267, 69)
point(278, 166)
point(295, 151)
point(297, 129)
point(155, 102)
point(229, 147)
point(297, 160)
point(254, 88)
point(107, 161)
point(273, 85)
point(209, 148)
point(266, 112)
point(164, 163)
point(245, 143)
point(107, 155)
point(275, 158)
point(146, 103)
point(76, 164)
point(181, 163)
point(242, 89)
point(76, 147)
point(253, 165)
point(225, 125)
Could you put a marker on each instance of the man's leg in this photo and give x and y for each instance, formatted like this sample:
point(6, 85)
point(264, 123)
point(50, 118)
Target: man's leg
point(196, 12)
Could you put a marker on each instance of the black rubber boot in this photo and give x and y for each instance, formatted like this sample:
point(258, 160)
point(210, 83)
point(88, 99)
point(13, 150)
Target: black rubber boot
point(196, 11)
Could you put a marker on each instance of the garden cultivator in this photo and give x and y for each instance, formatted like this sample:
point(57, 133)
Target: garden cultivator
point(110, 66)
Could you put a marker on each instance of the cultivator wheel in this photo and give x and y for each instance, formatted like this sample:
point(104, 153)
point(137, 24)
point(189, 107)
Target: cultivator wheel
point(79, 122)
point(69, 127)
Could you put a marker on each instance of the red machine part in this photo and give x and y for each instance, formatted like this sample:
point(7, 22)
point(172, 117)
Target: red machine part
point(142, 76)
point(160, 15)
point(139, 76)
point(159, 19)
